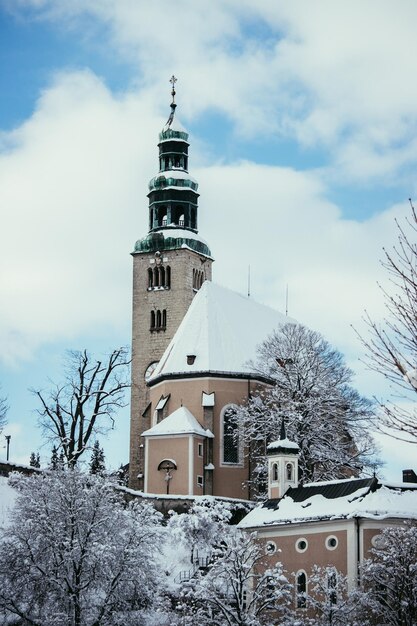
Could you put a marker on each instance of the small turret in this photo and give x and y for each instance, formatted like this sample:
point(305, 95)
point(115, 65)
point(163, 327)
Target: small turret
point(282, 465)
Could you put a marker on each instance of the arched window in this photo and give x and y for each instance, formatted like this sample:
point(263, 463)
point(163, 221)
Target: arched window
point(162, 276)
point(194, 279)
point(290, 471)
point(156, 277)
point(168, 277)
point(230, 437)
point(158, 319)
point(164, 318)
point(301, 589)
point(274, 472)
point(150, 278)
point(152, 320)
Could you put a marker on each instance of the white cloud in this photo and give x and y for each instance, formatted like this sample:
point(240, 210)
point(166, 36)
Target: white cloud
point(73, 181)
point(336, 75)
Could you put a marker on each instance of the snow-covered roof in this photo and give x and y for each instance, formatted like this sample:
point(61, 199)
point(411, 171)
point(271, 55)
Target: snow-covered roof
point(180, 422)
point(340, 499)
point(173, 130)
point(178, 174)
point(222, 329)
point(180, 233)
point(283, 443)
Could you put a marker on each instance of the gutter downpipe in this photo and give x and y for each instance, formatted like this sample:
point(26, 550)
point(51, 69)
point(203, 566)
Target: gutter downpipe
point(358, 550)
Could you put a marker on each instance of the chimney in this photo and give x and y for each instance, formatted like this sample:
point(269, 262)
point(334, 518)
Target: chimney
point(409, 476)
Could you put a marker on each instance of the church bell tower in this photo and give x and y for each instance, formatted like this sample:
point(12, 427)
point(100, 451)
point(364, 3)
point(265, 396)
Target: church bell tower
point(169, 266)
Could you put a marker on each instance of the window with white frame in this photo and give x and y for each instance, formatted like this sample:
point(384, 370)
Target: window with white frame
point(230, 439)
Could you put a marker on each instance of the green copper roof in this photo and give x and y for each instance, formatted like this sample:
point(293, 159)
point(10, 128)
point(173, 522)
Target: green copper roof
point(170, 133)
point(171, 241)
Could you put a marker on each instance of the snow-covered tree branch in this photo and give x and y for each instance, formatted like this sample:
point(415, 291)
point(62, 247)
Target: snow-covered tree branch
point(388, 593)
point(392, 346)
point(310, 388)
point(74, 555)
point(85, 404)
point(239, 589)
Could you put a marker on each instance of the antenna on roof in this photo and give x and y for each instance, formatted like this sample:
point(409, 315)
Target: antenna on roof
point(248, 281)
point(286, 300)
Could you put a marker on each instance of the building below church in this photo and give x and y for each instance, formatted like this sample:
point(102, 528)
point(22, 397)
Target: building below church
point(331, 523)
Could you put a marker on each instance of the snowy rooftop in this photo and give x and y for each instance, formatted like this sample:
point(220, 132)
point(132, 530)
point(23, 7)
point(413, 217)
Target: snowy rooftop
point(343, 499)
point(222, 329)
point(283, 443)
point(180, 233)
point(180, 422)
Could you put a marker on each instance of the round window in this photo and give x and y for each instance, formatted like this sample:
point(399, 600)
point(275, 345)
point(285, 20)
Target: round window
point(301, 545)
point(332, 542)
point(378, 541)
point(271, 547)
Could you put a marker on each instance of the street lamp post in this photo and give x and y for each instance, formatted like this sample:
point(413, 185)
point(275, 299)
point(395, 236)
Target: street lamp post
point(8, 437)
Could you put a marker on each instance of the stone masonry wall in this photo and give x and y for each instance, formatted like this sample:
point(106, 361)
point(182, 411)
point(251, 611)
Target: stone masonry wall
point(148, 346)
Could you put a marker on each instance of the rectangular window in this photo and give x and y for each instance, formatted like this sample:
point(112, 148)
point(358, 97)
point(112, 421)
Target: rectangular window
point(200, 449)
point(200, 481)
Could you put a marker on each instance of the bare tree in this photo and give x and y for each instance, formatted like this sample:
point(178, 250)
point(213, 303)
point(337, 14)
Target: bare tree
point(239, 588)
point(3, 412)
point(310, 388)
point(392, 345)
point(85, 403)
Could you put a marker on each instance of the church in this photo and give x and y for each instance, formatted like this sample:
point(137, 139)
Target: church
point(192, 341)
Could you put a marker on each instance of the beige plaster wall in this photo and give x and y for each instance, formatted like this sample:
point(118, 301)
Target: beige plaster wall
point(227, 479)
point(160, 448)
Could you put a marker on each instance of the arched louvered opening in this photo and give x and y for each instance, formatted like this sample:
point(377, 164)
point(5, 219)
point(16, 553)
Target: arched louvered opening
point(156, 277)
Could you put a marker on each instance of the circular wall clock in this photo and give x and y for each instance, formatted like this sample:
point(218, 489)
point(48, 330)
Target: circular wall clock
point(150, 369)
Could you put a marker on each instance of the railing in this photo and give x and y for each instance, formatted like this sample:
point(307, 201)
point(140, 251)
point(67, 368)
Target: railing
point(199, 563)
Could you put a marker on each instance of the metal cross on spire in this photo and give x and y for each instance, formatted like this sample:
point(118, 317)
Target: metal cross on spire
point(173, 80)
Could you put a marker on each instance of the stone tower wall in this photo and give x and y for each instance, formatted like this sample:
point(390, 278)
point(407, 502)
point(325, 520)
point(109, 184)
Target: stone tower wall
point(148, 346)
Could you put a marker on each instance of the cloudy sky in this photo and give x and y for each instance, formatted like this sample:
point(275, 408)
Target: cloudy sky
point(303, 124)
